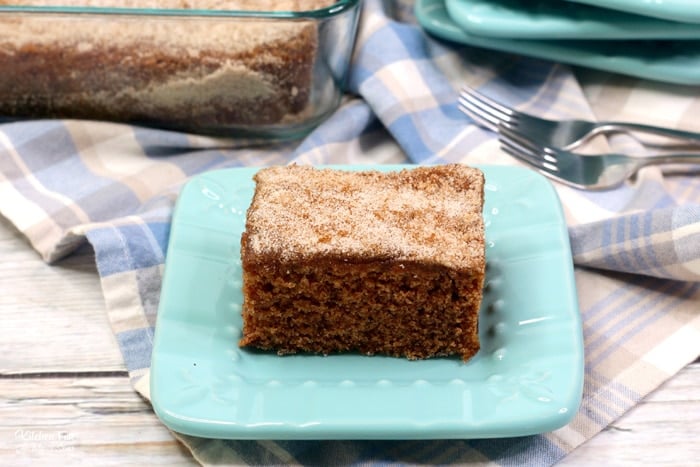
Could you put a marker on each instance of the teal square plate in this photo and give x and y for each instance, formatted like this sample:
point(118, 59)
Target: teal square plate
point(526, 379)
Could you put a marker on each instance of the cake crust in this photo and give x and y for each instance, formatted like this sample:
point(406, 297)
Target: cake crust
point(375, 262)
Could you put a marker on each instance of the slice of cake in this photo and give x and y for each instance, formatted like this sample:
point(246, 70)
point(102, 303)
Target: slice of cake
point(374, 262)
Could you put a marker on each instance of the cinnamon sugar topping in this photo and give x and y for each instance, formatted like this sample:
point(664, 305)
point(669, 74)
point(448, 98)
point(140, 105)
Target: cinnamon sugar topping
point(427, 214)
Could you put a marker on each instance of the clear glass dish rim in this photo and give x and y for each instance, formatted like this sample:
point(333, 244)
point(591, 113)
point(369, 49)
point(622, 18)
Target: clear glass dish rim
point(340, 7)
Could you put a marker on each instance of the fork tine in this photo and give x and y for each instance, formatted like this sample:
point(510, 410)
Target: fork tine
point(543, 152)
point(524, 149)
point(483, 109)
point(478, 116)
point(545, 168)
point(486, 104)
point(521, 152)
point(468, 97)
point(487, 101)
point(517, 153)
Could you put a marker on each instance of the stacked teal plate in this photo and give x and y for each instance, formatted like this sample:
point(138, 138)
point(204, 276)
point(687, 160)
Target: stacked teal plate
point(656, 42)
point(685, 11)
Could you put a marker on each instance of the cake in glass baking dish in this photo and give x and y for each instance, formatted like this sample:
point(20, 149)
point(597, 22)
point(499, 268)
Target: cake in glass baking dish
point(209, 66)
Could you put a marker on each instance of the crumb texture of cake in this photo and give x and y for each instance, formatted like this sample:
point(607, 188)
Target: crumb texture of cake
point(182, 72)
point(373, 262)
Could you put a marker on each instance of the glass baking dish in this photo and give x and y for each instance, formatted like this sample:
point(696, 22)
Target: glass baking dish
point(231, 69)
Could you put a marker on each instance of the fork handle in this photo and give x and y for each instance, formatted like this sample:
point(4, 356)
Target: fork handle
point(672, 158)
point(689, 136)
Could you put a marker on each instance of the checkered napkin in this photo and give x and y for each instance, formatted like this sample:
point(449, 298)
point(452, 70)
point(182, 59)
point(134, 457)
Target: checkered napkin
point(637, 248)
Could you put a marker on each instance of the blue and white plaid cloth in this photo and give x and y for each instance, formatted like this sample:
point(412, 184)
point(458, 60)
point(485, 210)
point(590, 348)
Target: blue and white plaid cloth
point(637, 248)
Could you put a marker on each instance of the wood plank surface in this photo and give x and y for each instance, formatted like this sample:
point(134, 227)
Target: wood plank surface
point(65, 398)
point(82, 420)
point(662, 430)
point(53, 317)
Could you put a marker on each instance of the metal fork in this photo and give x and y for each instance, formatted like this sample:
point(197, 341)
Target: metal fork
point(590, 172)
point(567, 134)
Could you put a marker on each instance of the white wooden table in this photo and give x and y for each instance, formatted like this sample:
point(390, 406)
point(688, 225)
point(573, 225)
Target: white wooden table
point(65, 397)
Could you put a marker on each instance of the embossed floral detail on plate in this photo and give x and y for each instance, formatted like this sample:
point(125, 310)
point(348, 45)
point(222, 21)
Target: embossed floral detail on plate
point(216, 197)
point(526, 382)
point(196, 388)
